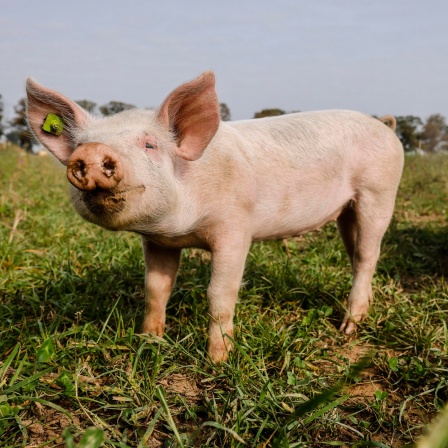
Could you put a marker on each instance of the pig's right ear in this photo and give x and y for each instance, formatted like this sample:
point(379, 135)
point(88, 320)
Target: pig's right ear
point(191, 113)
point(55, 133)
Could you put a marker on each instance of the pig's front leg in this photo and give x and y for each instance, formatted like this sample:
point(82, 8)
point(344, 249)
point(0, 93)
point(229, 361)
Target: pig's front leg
point(228, 260)
point(161, 265)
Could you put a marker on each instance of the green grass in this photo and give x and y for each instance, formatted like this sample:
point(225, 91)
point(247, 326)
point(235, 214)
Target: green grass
point(75, 372)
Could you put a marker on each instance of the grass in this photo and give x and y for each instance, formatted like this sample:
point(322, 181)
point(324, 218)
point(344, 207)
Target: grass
point(75, 372)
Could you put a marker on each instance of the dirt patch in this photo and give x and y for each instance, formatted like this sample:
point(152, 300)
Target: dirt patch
point(354, 352)
point(47, 426)
point(177, 383)
point(417, 218)
point(365, 390)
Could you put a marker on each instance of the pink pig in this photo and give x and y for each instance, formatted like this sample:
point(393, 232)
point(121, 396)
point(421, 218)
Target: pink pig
point(181, 178)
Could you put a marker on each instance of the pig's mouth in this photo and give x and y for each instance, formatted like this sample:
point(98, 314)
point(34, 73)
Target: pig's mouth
point(100, 202)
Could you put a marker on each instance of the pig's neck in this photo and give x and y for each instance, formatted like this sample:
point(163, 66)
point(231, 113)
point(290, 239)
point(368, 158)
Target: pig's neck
point(195, 207)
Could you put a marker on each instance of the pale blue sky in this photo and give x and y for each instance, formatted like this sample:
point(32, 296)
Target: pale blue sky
point(382, 56)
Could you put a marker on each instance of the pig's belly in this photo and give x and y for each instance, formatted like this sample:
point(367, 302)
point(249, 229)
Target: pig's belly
point(283, 216)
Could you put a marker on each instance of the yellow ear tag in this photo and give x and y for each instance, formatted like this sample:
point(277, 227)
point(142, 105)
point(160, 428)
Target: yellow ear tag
point(53, 124)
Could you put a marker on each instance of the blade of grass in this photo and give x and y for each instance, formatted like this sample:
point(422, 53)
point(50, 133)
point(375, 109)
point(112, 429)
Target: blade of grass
point(103, 329)
point(7, 363)
point(151, 426)
point(437, 433)
point(224, 428)
point(161, 395)
point(26, 381)
point(332, 405)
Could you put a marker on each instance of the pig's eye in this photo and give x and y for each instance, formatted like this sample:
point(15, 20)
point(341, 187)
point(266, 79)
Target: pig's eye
point(149, 146)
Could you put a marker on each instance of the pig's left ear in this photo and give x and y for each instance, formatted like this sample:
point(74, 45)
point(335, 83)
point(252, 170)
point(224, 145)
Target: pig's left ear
point(53, 119)
point(191, 112)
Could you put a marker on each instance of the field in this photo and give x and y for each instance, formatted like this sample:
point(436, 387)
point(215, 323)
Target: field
point(75, 372)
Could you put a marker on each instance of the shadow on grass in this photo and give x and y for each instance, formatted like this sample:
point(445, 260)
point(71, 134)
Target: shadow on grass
point(112, 293)
point(414, 253)
point(414, 256)
point(71, 298)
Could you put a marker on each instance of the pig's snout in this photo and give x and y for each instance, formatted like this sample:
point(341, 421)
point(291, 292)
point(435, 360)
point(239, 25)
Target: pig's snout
point(94, 166)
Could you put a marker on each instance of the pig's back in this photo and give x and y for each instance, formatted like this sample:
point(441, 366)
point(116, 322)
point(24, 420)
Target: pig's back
point(307, 136)
point(305, 166)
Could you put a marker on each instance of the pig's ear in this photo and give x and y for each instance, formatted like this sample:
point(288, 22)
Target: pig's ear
point(53, 118)
point(191, 112)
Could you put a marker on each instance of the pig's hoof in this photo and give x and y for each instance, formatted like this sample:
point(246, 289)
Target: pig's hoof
point(219, 352)
point(356, 312)
point(156, 329)
point(218, 356)
point(348, 326)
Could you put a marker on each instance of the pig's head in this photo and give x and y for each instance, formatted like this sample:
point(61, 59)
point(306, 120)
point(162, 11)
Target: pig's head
point(124, 169)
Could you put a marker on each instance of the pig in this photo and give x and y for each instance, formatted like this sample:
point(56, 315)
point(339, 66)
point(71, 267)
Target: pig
point(181, 178)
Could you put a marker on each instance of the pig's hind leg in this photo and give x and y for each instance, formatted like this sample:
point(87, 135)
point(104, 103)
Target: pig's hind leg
point(161, 269)
point(362, 228)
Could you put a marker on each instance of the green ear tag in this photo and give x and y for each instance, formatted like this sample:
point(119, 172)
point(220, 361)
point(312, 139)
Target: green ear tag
point(53, 124)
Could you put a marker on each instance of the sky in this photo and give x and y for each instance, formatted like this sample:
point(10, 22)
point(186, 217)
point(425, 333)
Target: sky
point(378, 57)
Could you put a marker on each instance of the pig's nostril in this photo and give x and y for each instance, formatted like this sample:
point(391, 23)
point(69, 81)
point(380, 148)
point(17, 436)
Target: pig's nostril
point(79, 169)
point(109, 167)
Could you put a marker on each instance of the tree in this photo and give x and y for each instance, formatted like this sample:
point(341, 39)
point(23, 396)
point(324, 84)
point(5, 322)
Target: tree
point(113, 107)
point(1, 115)
point(224, 111)
point(20, 133)
point(13, 137)
point(269, 113)
point(408, 131)
point(434, 132)
point(89, 106)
